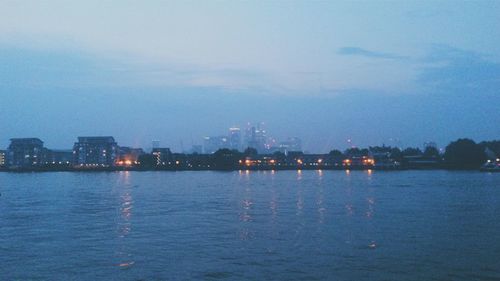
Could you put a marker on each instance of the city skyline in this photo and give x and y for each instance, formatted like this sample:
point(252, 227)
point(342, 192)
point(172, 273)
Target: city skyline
point(104, 153)
point(269, 141)
point(264, 143)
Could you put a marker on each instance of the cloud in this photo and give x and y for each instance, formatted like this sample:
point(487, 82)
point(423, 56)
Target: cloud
point(77, 69)
point(356, 51)
point(452, 70)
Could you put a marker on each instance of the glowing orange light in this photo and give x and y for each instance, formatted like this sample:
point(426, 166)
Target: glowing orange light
point(320, 161)
point(368, 161)
point(299, 161)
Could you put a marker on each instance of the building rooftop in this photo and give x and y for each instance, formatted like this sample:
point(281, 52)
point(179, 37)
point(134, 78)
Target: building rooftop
point(26, 141)
point(107, 139)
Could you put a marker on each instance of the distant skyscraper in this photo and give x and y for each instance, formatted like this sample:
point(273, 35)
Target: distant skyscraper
point(212, 144)
point(25, 153)
point(256, 137)
point(156, 144)
point(197, 149)
point(235, 138)
point(95, 151)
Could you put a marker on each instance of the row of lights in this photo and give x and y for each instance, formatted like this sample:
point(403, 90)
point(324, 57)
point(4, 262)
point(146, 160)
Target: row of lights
point(249, 162)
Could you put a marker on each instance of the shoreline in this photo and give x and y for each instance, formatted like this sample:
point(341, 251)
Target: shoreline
point(75, 170)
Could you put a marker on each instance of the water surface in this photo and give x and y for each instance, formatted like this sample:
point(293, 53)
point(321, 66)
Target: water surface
point(284, 225)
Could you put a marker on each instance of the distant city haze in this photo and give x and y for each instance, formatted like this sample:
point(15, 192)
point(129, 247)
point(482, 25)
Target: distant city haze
point(334, 75)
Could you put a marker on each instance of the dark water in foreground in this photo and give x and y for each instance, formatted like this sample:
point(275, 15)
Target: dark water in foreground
point(288, 225)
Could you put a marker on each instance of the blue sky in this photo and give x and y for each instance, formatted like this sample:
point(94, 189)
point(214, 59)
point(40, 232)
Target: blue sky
point(372, 71)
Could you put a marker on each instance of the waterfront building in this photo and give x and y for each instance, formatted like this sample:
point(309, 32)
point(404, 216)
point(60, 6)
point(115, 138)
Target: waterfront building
point(25, 153)
point(2, 157)
point(358, 162)
point(382, 159)
point(128, 156)
point(95, 152)
point(58, 157)
point(420, 162)
point(162, 156)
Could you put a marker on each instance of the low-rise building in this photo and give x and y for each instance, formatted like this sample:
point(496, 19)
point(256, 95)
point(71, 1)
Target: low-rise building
point(128, 156)
point(25, 153)
point(2, 158)
point(91, 152)
point(162, 156)
point(58, 157)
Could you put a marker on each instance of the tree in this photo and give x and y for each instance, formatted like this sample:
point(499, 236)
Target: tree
point(396, 154)
point(336, 153)
point(250, 151)
point(357, 152)
point(431, 152)
point(410, 151)
point(380, 149)
point(464, 154)
point(493, 146)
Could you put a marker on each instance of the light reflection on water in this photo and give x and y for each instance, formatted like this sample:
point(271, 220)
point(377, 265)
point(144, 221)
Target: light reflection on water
point(125, 256)
point(250, 225)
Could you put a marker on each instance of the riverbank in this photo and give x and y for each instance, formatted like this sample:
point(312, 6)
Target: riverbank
point(139, 169)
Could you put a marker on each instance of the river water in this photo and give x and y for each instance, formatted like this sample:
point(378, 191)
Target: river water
point(250, 225)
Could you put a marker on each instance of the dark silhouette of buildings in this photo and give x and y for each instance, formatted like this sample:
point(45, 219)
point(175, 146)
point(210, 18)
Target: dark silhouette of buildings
point(103, 153)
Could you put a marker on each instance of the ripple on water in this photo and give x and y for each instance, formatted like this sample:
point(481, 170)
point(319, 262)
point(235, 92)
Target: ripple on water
point(285, 226)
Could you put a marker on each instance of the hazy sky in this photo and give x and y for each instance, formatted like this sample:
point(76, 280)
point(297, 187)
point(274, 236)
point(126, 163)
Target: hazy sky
point(396, 72)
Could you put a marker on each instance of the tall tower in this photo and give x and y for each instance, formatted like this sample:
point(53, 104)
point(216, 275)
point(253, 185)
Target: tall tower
point(156, 144)
point(235, 138)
